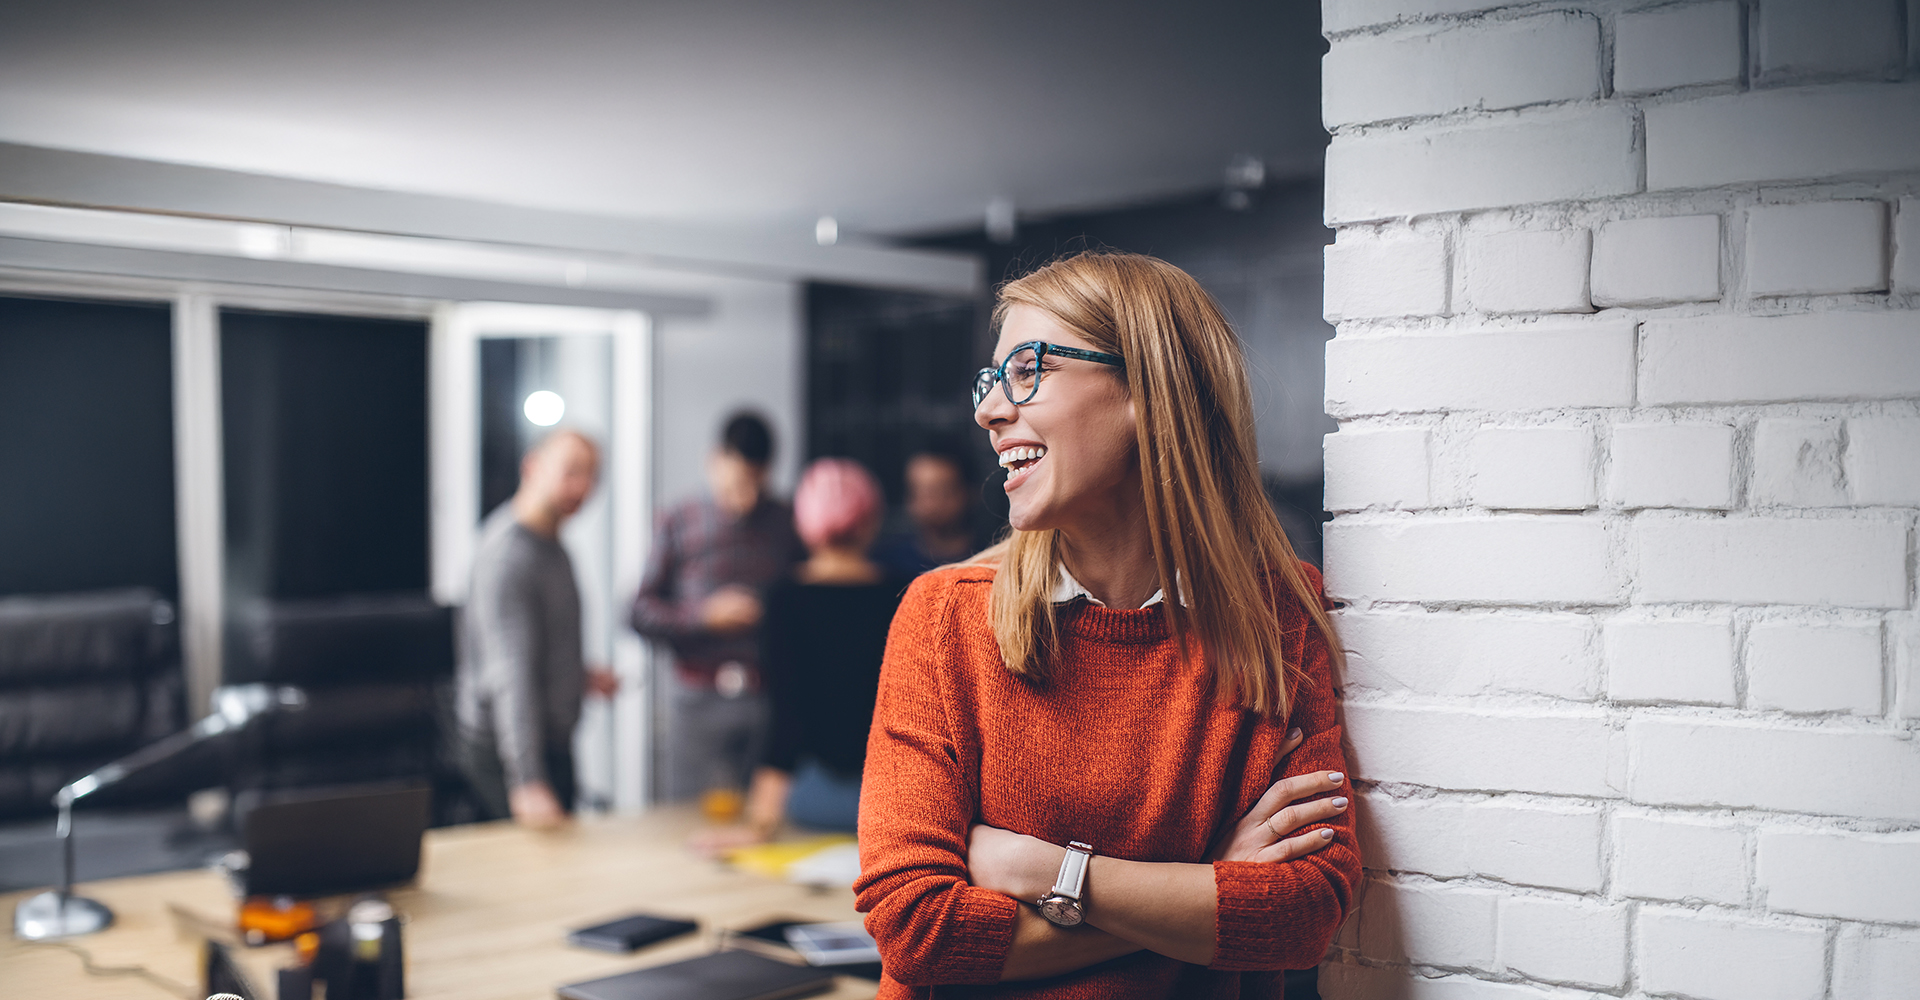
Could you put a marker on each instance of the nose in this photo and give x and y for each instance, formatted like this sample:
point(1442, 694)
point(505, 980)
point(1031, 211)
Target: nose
point(994, 409)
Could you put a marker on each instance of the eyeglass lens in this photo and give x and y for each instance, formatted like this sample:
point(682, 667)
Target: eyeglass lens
point(1019, 376)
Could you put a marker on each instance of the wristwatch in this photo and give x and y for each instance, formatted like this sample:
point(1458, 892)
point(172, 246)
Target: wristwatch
point(1064, 903)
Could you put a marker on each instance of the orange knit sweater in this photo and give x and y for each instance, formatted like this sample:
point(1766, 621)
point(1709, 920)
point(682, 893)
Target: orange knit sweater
point(1124, 747)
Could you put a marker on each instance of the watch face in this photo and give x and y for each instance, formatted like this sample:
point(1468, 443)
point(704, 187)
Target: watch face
point(1061, 910)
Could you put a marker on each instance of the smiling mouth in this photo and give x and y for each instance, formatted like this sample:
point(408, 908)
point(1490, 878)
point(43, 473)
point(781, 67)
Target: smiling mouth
point(1018, 460)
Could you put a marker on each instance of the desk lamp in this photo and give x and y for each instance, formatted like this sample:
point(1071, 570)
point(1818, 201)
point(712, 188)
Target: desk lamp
point(58, 913)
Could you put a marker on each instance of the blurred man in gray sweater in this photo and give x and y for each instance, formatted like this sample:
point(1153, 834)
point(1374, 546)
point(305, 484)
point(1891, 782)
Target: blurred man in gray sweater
point(521, 673)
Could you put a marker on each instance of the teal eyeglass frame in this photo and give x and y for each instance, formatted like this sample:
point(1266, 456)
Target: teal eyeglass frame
point(984, 379)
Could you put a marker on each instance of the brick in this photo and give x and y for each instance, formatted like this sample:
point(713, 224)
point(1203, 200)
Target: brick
point(1906, 669)
point(1651, 262)
point(1502, 560)
point(1681, 951)
point(1680, 860)
point(1819, 248)
point(1671, 47)
point(1542, 271)
point(1793, 133)
point(1341, 981)
point(1586, 152)
point(1564, 941)
point(1668, 660)
point(1555, 847)
point(1432, 925)
point(1870, 964)
point(1369, 278)
point(1345, 15)
point(1801, 38)
point(1870, 774)
point(1795, 667)
point(1777, 359)
point(1542, 751)
point(1796, 463)
point(1855, 876)
point(1468, 654)
point(1378, 468)
point(1671, 465)
point(1856, 562)
point(1533, 368)
point(1906, 243)
point(1532, 468)
point(1883, 460)
point(1486, 65)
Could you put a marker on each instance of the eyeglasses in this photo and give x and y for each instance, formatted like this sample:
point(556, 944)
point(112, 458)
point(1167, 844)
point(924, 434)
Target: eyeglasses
point(1019, 374)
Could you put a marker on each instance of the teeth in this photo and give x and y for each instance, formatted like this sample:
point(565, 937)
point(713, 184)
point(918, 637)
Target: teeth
point(1013, 455)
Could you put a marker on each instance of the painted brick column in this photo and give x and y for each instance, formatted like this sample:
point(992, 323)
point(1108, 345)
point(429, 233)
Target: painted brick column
point(1628, 382)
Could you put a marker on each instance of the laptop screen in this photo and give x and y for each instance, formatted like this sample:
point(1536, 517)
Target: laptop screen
point(328, 841)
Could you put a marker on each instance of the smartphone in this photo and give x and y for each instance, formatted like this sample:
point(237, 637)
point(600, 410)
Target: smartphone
point(629, 933)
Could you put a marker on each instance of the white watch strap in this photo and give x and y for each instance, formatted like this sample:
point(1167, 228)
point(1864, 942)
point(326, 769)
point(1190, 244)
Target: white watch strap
point(1072, 880)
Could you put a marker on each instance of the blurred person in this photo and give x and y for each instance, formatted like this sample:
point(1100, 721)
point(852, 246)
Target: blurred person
point(711, 558)
point(940, 508)
point(521, 676)
point(1106, 753)
point(820, 647)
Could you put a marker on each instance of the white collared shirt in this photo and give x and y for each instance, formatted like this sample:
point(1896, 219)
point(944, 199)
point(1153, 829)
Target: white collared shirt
point(1066, 588)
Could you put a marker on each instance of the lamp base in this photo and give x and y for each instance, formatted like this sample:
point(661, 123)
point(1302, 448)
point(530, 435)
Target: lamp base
point(53, 915)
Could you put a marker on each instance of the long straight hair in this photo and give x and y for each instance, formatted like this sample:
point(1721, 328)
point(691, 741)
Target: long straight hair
point(1214, 531)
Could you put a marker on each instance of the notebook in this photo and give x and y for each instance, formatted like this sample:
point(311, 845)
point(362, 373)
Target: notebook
point(724, 975)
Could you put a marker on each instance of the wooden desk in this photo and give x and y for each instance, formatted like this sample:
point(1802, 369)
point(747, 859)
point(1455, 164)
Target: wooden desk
point(486, 921)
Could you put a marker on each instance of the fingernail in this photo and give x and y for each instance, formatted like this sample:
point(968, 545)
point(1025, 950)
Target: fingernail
point(1326, 834)
point(1335, 777)
point(1293, 734)
point(1340, 803)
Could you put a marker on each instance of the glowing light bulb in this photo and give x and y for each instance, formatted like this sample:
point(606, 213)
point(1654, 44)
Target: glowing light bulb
point(544, 408)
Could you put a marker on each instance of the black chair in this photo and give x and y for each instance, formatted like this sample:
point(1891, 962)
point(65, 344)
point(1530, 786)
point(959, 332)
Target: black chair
point(84, 678)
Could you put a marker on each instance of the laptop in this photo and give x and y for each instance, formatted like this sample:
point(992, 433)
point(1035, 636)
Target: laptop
point(329, 841)
point(724, 975)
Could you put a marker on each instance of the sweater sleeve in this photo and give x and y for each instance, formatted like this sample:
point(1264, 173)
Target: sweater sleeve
point(1283, 915)
point(661, 609)
point(917, 802)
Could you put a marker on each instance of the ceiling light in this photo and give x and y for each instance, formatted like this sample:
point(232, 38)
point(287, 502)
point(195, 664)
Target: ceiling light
point(544, 408)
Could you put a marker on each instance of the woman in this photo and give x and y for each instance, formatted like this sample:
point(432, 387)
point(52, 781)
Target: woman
point(821, 640)
point(1143, 669)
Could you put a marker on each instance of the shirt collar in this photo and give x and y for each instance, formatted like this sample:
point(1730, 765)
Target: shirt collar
point(1066, 588)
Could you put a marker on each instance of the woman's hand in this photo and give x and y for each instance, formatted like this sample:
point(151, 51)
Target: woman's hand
point(1012, 864)
point(1261, 835)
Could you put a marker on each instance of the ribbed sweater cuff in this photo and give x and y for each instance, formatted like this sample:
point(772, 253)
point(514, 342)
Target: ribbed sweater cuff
point(1244, 931)
point(984, 934)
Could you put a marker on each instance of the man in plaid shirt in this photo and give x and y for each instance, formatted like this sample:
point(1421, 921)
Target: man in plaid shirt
point(711, 558)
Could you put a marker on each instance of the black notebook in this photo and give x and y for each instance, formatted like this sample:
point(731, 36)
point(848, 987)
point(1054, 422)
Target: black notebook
point(724, 975)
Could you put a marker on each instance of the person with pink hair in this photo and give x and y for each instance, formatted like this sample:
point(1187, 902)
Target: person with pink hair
point(822, 639)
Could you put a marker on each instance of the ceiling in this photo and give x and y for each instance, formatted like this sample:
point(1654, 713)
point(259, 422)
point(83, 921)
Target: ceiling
point(894, 117)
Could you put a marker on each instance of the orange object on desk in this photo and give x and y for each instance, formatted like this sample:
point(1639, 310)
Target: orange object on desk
point(277, 918)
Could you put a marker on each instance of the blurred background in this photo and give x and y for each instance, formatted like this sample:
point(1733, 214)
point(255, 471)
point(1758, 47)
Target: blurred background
point(286, 290)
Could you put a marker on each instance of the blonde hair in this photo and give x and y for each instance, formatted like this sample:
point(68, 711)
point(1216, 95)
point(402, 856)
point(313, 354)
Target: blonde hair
point(1213, 528)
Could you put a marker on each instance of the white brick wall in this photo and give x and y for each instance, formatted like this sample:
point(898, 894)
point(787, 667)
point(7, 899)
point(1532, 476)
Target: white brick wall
point(1564, 940)
point(1651, 262)
point(1670, 660)
point(1804, 667)
point(1681, 951)
point(1680, 859)
point(1822, 247)
point(1679, 46)
point(1672, 465)
point(1526, 272)
point(1533, 468)
point(1551, 57)
point(1633, 674)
